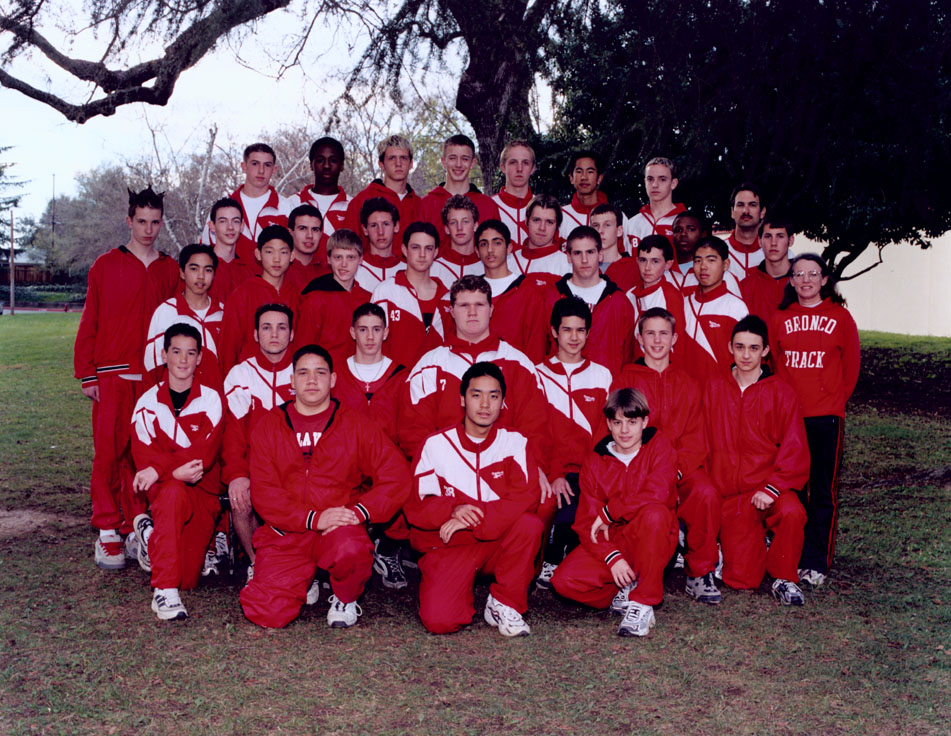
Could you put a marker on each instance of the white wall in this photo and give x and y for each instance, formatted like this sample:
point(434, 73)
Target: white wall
point(908, 293)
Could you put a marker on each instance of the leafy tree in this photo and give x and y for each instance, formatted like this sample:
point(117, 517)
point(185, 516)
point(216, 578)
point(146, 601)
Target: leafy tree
point(8, 199)
point(839, 110)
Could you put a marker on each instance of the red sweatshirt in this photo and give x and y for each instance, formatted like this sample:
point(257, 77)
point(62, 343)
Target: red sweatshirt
point(376, 400)
point(326, 313)
point(674, 398)
point(816, 349)
point(762, 293)
point(290, 494)
point(513, 315)
point(433, 203)
point(299, 275)
point(409, 207)
point(615, 492)
point(498, 475)
point(431, 399)
point(410, 336)
point(121, 297)
point(230, 275)
point(162, 441)
point(757, 438)
point(237, 329)
point(575, 409)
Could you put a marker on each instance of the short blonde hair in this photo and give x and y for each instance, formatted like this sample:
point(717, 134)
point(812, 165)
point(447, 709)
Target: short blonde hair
point(394, 141)
point(515, 144)
point(344, 239)
point(661, 161)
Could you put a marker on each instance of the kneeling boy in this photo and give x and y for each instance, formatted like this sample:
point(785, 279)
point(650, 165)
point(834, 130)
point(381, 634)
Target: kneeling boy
point(626, 518)
point(309, 461)
point(176, 435)
point(471, 512)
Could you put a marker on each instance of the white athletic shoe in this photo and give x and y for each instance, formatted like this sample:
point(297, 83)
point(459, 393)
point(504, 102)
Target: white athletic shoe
point(390, 568)
point(811, 577)
point(141, 524)
point(506, 619)
point(703, 589)
point(342, 615)
point(621, 601)
point(131, 546)
point(168, 605)
point(543, 581)
point(216, 559)
point(313, 592)
point(788, 593)
point(109, 555)
point(638, 620)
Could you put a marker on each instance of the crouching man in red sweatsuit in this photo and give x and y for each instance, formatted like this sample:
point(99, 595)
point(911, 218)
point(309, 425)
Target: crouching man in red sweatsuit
point(309, 461)
point(471, 512)
point(626, 519)
point(176, 435)
point(759, 459)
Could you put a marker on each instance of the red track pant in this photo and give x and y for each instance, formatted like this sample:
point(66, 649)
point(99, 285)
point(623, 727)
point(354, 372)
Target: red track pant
point(285, 564)
point(699, 510)
point(184, 519)
point(114, 504)
point(646, 543)
point(742, 526)
point(448, 574)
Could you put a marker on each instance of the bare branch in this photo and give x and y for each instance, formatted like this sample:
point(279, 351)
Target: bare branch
point(846, 261)
point(202, 180)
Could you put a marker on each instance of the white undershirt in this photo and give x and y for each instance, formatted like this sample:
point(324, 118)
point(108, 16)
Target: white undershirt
point(323, 201)
point(626, 459)
point(590, 294)
point(253, 206)
point(569, 367)
point(499, 286)
point(201, 313)
point(369, 372)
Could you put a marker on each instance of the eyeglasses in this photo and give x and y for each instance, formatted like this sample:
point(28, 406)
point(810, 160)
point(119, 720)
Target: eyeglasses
point(802, 275)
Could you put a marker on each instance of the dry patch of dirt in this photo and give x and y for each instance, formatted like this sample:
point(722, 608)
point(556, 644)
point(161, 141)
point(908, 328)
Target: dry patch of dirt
point(20, 522)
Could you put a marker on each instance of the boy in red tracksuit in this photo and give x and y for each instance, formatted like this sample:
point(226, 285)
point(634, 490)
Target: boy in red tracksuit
point(396, 161)
point(616, 264)
point(253, 387)
point(517, 164)
point(610, 341)
point(675, 401)
point(309, 257)
point(380, 224)
point(126, 284)
point(655, 257)
point(413, 300)
point(710, 312)
point(261, 205)
point(576, 389)
point(310, 459)
point(224, 225)
point(625, 521)
point(327, 159)
point(657, 216)
point(327, 302)
point(764, 286)
point(584, 173)
point(474, 490)
point(458, 158)
point(759, 459)
point(541, 253)
point(175, 442)
point(193, 306)
point(271, 287)
point(458, 255)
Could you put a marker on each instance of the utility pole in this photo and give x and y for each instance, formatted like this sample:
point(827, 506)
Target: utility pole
point(12, 274)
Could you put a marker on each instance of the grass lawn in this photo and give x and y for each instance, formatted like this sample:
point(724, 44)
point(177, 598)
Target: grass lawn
point(870, 653)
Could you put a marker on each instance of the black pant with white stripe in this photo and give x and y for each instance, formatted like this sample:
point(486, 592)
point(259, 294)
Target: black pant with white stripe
point(821, 496)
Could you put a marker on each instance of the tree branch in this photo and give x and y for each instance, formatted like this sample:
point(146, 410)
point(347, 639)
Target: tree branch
point(847, 261)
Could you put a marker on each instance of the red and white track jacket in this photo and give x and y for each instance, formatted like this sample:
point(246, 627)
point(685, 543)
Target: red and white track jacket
point(512, 213)
point(743, 258)
point(409, 207)
point(274, 212)
point(433, 203)
point(816, 349)
point(551, 260)
point(452, 266)
point(325, 316)
point(643, 224)
point(430, 397)
point(611, 337)
point(409, 336)
point(374, 270)
point(662, 294)
point(615, 492)
point(176, 310)
point(574, 214)
point(252, 388)
point(377, 400)
point(498, 475)
point(237, 327)
point(575, 409)
point(675, 402)
point(333, 217)
point(763, 293)
point(121, 297)
point(708, 321)
point(290, 494)
point(162, 441)
point(230, 275)
point(757, 438)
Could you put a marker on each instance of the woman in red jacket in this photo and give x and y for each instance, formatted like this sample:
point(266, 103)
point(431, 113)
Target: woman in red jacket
point(816, 349)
